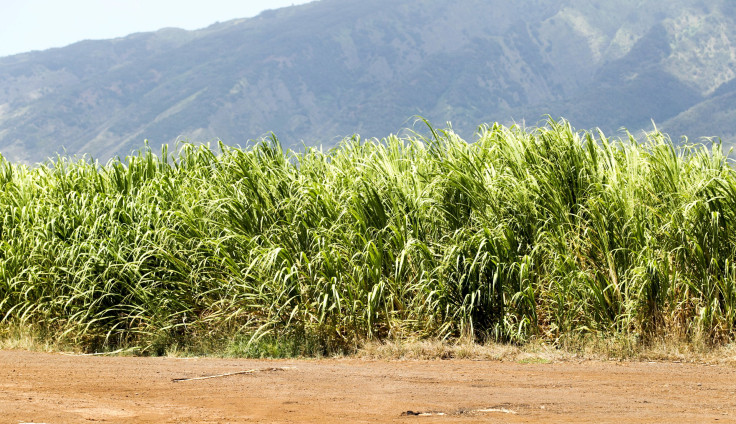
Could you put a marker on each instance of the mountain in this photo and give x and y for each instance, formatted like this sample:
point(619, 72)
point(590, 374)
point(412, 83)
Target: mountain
point(317, 72)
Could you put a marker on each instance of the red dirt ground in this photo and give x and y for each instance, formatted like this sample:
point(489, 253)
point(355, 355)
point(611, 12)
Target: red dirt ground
point(54, 388)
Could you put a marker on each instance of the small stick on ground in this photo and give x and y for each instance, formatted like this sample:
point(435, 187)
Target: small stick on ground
point(460, 412)
point(503, 410)
point(176, 380)
point(114, 352)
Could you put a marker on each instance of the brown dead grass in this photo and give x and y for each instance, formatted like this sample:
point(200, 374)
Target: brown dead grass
point(618, 349)
point(539, 352)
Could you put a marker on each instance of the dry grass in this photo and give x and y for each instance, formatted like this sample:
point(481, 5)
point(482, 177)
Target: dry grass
point(24, 338)
point(536, 352)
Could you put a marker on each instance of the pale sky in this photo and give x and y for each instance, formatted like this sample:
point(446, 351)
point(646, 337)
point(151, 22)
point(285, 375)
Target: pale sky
point(27, 25)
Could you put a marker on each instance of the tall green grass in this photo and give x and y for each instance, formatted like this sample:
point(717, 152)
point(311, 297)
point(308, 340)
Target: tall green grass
point(543, 233)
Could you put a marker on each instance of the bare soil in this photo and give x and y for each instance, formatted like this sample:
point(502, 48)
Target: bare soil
point(56, 388)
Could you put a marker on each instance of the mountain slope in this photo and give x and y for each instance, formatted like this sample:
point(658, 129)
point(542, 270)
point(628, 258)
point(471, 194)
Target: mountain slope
point(714, 118)
point(317, 72)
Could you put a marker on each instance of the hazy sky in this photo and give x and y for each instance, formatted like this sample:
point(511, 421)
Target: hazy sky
point(27, 25)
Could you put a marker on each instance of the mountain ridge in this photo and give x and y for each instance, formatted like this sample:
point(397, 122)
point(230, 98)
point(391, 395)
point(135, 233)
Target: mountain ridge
point(317, 72)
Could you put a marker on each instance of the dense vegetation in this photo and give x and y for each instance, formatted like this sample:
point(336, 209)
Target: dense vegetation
point(542, 233)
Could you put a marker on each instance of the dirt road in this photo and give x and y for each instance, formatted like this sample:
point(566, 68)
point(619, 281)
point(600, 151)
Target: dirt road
point(54, 388)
